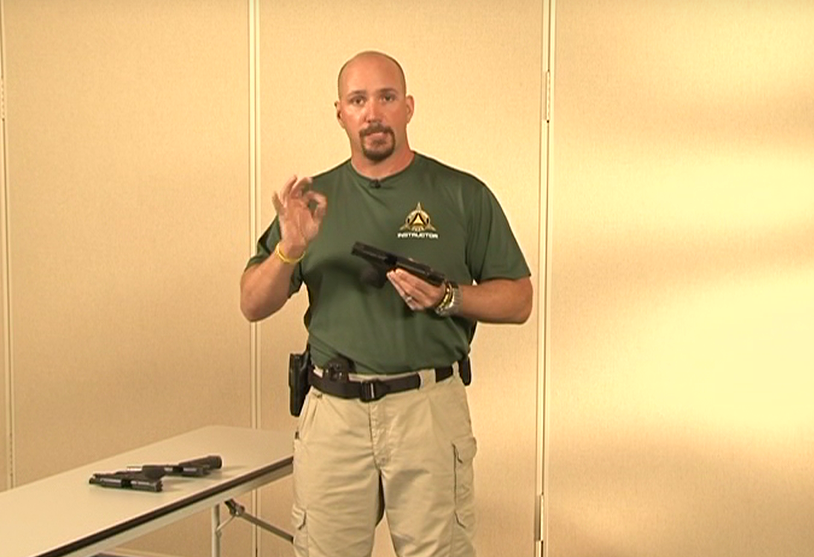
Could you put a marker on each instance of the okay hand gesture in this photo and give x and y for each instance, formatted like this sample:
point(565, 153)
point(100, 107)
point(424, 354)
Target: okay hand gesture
point(300, 211)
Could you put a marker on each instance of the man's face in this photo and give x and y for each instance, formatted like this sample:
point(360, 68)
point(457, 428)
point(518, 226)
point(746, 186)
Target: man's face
point(373, 107)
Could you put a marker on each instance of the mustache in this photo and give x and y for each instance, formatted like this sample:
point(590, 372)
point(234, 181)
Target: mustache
point(375, 128)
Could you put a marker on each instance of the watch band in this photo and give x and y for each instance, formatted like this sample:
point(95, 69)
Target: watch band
point(450, 304)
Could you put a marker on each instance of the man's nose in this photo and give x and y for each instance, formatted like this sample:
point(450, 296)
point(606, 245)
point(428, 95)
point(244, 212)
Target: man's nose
point(373, 112)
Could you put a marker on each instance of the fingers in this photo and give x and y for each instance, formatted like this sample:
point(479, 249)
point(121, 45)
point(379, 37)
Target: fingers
point(300, 210)
point(411, 302)
point(397, 283)
point(416, 293)
point(299, 186)
point(285, 192)
point(320, 204)
point(293, 188)
point(280, 199)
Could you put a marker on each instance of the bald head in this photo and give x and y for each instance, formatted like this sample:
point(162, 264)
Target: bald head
point(370, 57)
point(374, 109)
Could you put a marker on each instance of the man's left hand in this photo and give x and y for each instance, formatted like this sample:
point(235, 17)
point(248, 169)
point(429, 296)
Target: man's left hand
point(418, 294)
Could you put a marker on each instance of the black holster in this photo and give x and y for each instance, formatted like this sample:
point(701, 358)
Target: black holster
point(299, 365)
point(465, 370)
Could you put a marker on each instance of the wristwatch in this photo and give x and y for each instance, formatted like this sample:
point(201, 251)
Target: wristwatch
point(450, 304)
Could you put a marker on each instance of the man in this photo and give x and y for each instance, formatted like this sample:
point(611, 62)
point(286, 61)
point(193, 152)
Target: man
point(387, 413)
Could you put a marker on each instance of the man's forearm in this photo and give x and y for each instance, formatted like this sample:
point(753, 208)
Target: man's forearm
point(264, 288)
point(497, 301)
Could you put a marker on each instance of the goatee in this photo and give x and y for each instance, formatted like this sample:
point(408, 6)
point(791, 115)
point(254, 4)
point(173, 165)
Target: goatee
point(382, 149)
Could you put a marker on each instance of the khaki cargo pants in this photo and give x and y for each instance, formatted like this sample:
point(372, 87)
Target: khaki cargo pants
point(417, 445)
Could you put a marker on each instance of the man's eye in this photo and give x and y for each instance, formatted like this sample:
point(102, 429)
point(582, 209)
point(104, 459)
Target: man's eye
point(358, 101)
point(388, 98)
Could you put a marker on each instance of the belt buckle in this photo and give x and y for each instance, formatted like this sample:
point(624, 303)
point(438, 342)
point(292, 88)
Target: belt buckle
point(373, 390)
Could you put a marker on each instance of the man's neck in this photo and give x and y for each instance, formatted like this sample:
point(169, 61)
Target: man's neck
point(393, 164)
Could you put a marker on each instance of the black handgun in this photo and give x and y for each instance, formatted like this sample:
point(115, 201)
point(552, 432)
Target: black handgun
point(142, 480)
point(299, 365)
point(196, 467)
point(384, 261)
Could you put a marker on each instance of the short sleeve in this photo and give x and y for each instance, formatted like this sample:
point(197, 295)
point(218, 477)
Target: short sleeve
point(492, 250)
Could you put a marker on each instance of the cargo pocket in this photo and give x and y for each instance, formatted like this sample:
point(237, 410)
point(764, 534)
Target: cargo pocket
point(465, 450)
point(298, 521)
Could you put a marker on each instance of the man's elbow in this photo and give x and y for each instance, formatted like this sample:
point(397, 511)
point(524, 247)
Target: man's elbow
point(526, 303)
point(250, 313)
point(256, 308)
point(248, 310)
point(522, 315)
point(252, 308)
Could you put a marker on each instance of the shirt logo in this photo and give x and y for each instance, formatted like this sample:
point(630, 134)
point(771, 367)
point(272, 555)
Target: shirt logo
point(418, 224)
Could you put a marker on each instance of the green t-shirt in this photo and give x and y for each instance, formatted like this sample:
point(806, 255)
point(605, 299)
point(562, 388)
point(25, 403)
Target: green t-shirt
point(430, 212)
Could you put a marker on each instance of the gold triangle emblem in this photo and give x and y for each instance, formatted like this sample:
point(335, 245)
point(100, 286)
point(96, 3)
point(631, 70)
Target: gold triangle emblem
point(418, 220)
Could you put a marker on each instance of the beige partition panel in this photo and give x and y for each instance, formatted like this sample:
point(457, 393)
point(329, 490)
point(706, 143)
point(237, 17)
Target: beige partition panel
point(128, 188)
point(5, 454)
point(4, 448)
point(682, 306)
point(4, 376)
point(474, 69)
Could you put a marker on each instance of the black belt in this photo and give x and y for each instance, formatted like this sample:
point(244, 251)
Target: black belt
point(374, 389)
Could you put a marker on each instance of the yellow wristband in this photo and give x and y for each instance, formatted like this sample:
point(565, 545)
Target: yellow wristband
point(285, 259)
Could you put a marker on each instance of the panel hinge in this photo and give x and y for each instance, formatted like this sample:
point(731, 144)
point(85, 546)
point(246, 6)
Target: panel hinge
point(540, 512)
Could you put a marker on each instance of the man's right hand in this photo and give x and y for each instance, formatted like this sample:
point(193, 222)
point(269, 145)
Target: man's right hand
point(264, 286)
point(300, 211)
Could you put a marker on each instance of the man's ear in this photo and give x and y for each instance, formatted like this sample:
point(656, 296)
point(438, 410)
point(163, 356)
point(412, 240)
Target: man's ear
point(339, 114)
point(410, 102)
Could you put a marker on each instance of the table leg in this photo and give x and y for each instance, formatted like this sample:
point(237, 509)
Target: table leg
point(216, 533)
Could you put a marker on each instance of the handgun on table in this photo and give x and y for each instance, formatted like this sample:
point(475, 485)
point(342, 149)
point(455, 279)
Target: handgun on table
point(195, 467)
point(148, 480)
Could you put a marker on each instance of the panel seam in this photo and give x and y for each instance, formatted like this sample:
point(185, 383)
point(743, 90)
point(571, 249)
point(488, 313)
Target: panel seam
point(254, 218)
point(8, 375)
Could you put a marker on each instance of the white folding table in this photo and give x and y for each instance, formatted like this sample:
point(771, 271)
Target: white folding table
point(65, 516)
